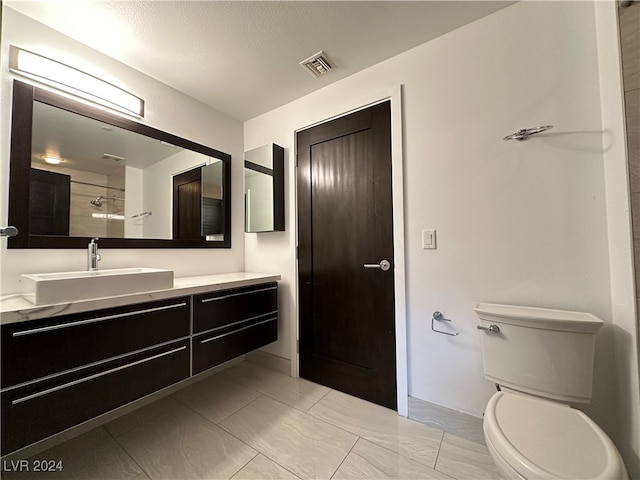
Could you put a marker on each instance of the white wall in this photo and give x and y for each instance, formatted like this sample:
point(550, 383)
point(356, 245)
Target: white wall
point(134, 227)
point(165, 109)
point(517, 222)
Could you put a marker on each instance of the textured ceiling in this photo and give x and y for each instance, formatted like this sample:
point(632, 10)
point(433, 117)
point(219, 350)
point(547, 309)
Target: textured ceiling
point(242, 58)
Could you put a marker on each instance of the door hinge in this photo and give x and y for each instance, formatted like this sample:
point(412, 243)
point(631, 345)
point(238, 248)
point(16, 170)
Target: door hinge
point(297, 346)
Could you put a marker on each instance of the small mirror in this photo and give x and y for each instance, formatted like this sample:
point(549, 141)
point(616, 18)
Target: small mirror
point(264, 189)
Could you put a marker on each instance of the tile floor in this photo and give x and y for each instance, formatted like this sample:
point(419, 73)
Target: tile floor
point(249, 422)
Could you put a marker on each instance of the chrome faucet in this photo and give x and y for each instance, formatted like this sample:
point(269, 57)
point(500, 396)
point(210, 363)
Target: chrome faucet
point(92, 255)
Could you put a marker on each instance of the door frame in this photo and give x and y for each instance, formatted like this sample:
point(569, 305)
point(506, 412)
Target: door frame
point(399, 272)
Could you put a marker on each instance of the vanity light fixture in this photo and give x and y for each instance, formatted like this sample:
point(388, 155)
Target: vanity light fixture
point(51, 159)
point(74, 81)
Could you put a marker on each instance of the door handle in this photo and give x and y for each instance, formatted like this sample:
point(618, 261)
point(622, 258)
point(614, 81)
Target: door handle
point(8, 231)
point(384, 265)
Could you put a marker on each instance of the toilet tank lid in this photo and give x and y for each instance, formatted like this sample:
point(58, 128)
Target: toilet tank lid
point(534, 317)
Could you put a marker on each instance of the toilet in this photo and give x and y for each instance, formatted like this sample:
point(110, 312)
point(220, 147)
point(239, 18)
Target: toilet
point(542, 361)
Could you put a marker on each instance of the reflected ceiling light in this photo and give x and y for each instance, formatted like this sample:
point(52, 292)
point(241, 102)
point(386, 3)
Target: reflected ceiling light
point(51, 159)
point(76, 82)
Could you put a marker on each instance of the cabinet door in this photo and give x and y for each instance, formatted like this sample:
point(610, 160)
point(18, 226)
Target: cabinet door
point(39, 348)
point(41, 409)
point(214, 310)
point(214, 348)
point(233, 322)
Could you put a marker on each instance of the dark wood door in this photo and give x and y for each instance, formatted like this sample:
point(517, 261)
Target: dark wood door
point(49, 203)
point(187, 205)
point(345, 220)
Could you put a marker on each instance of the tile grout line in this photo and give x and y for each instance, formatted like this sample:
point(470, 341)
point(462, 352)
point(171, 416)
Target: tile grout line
point(300, 412)
point(260, 394)
point(435, 464)
point(274, 461)
point(188, 407)
point(383, 446)
point(280, 400)
point(358, 438)
point(264, 454)
point(258, 452)
point(320, 399)
point(124, 449)
point(243, 466)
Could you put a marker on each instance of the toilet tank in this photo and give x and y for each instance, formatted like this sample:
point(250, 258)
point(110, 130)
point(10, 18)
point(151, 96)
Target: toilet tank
point(540, 351)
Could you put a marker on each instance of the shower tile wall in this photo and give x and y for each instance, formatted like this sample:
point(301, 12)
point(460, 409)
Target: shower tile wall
point(81, 222)
point(630, 46)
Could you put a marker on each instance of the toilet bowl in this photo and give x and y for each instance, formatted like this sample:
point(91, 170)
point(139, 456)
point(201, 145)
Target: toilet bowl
point(530, 437)
point(542, 359)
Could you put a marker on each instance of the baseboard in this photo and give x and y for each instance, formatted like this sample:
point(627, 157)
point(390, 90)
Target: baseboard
point(268, 360)
point(451, 421)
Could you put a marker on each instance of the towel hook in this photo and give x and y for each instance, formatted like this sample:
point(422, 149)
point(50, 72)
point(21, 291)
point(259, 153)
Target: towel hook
point(142, 214)
point(440, 317)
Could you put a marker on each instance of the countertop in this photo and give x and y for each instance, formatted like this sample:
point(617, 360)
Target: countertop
point(15, 308)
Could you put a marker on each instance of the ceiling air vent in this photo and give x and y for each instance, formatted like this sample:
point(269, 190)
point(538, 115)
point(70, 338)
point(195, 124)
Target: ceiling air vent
point(317, 64)
point(110, 156)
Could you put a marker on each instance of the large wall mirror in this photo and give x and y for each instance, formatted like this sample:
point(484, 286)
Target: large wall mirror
point(126, 183)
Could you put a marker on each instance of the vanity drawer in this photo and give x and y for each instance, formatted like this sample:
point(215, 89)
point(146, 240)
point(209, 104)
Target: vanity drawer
point(39, 410)
point(39, 348)
point(214, 310)
point(216, 347)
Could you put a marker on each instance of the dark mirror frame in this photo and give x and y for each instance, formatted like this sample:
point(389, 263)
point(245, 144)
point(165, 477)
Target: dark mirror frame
point(20, 166)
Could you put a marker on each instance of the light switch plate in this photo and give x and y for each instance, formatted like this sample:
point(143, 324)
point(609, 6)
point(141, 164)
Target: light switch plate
point(428, 239)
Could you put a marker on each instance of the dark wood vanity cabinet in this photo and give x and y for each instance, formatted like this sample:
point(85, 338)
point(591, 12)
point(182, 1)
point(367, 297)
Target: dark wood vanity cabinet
point(60, 371)
point(230, 323)
point(38, 348)
point(37, 411)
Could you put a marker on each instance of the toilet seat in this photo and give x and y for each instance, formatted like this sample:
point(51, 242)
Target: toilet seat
point(538, 438)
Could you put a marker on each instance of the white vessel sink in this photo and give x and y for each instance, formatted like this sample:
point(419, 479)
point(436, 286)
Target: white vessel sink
point(48, 288)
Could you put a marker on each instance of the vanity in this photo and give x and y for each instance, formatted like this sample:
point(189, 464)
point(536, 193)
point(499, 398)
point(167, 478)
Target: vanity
point(64, 364)
point(82, 345)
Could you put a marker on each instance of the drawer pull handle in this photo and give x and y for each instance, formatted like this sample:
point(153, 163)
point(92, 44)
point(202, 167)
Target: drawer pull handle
point(93, 320)
point(207, 300)
point(97, 375)
point(93, 364)
point(239, 322)
point(238, 330)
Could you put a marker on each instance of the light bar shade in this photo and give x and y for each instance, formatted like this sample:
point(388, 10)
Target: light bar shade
point(74, 81)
